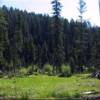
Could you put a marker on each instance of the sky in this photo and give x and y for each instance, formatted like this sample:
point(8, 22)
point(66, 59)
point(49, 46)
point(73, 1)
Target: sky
point(69, 9)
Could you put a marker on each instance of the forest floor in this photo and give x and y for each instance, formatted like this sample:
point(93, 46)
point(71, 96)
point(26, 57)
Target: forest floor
point(51, 87)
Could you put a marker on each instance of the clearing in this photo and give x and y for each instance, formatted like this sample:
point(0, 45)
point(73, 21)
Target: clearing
point(42, 86)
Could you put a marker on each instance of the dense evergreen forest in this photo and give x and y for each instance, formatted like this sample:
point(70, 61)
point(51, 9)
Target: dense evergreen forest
point(29, 39)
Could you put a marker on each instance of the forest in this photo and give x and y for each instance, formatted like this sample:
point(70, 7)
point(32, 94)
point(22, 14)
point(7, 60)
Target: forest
point(29, 39)
point(49, 57)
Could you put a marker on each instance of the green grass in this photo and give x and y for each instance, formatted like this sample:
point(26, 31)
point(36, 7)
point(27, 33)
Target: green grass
point(42, 86)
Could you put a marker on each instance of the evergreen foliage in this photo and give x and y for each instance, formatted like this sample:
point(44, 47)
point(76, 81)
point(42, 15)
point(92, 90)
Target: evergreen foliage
point(34, 39)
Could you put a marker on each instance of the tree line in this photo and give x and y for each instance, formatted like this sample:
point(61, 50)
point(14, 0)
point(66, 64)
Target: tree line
point(28, 39)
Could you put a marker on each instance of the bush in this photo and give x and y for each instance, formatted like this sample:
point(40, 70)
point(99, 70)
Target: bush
point(91, 69)
point(23, 71)
point(65, 71)
point(48, 69)
point(1, 74)
point(33, 69)
point(10, 75)
point(36, 73)
point(30, 70)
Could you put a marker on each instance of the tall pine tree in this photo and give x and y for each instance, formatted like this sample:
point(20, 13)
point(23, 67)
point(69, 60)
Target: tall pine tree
point(57, 36)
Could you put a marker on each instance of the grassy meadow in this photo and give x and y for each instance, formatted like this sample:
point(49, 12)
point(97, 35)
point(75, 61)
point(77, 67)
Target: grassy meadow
point(42, 86)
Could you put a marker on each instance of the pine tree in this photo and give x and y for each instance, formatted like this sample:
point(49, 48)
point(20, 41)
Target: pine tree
point(3, 39)
point(82, 34)
point(82, 9)
point(57, 37)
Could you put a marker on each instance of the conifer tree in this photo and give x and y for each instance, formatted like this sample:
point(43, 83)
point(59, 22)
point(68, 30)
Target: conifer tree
point(58, 43)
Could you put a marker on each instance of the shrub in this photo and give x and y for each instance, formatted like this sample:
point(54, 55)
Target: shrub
point(10, 75)
point(91, 69)
point(35, 68)
point(1, 74)
point(23, 71)
point(30, 70)
point(48, 69)
point(65, 70)
point(36, 73)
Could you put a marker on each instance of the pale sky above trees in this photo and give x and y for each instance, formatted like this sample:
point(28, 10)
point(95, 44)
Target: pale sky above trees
point(69, 9)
